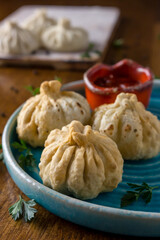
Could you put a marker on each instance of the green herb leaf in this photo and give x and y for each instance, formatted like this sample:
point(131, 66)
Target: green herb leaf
point(118, 43)
point(20, 146)
point(23, 208)
point(33, 91)
point(128, 198)
point(98, 52)
point(87, 53)
point(144, 191)
point(90, 46)
point(26, 158)
point(1, 156)
point(57, 78)
point(16, 209)
point(157, 77)
point(29, 211)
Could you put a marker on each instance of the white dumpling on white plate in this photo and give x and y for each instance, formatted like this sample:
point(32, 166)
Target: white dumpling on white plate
point(63, 37)
point(16, 40)
point(38, 22)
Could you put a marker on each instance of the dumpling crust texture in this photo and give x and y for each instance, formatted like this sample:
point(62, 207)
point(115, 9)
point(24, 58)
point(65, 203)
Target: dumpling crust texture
point(80, 161)
point(135, 130)
point(38, 22)
point(65, 38)
point(48, 110)
point(16, 40)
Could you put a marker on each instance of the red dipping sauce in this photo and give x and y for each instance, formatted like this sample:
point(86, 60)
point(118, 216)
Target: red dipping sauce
point(103, 82)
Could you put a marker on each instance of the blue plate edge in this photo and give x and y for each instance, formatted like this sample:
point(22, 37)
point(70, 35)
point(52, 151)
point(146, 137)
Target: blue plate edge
point(97, 209)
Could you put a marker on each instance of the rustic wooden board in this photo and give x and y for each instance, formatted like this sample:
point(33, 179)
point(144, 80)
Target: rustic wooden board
point(100, 22)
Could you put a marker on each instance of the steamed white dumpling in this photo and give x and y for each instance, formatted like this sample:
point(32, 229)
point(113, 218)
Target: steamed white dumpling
point(16, 40)
point(38, 22)
point(135, 130)
point(80, 161)
point(63, 37)
point(48, 110)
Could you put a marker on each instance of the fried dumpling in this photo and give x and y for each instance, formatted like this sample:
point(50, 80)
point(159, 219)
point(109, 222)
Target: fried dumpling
point(135, 130)
point(16, 40)
point(48, 110)
point(65, 38)
point(38, 22)
point(80, 161)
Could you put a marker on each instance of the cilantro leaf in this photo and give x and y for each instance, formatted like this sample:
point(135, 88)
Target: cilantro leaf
point(33, 91)
point(16, 209)
point(118, 43)
point(29, 211)
point(20, 146)
point(85, 55)
point(144, 191)
point(91, 48)
point(23, 208)
point(57, 78)
point(26, 158)
point(98, 52)
point(1, 154)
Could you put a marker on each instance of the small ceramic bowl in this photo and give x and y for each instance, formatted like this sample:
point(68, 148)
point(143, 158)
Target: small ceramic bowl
point(103, 82)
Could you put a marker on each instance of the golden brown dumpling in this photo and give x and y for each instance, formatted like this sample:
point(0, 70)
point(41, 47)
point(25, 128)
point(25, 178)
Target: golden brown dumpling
point(135, 130)
point(48, 110)
point(80, 161)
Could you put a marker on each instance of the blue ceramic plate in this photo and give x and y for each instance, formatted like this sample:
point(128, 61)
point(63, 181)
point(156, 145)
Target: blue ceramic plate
point(104, 212)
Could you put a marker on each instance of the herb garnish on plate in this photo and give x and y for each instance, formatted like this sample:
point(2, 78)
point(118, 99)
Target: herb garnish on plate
point(26, 158)
point(1, 154)
point(91, 48)
point(143, 191)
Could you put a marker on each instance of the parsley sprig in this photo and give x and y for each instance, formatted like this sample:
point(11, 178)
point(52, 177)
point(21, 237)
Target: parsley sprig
point(23, 208)
point(57, 78)
point(118, 43)
point(143, 191)
point(1, 154)
point(91, 48)
point(32, 90)
point(35, 91)
point(26, 158)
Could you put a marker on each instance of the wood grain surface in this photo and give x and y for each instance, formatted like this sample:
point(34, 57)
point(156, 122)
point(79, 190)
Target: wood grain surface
point(139, 27)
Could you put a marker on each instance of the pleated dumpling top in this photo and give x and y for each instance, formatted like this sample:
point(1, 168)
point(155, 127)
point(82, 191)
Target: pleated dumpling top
point(135, 130)
point(16, 40)
point(38, 22)
point(48, 110)
point(80, 161)
point(65, 38)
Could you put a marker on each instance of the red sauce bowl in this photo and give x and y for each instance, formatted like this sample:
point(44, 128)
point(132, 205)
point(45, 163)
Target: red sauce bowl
point(103, 82)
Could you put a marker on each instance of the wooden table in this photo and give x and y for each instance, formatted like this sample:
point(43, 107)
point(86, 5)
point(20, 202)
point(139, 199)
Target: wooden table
point(140, 29)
